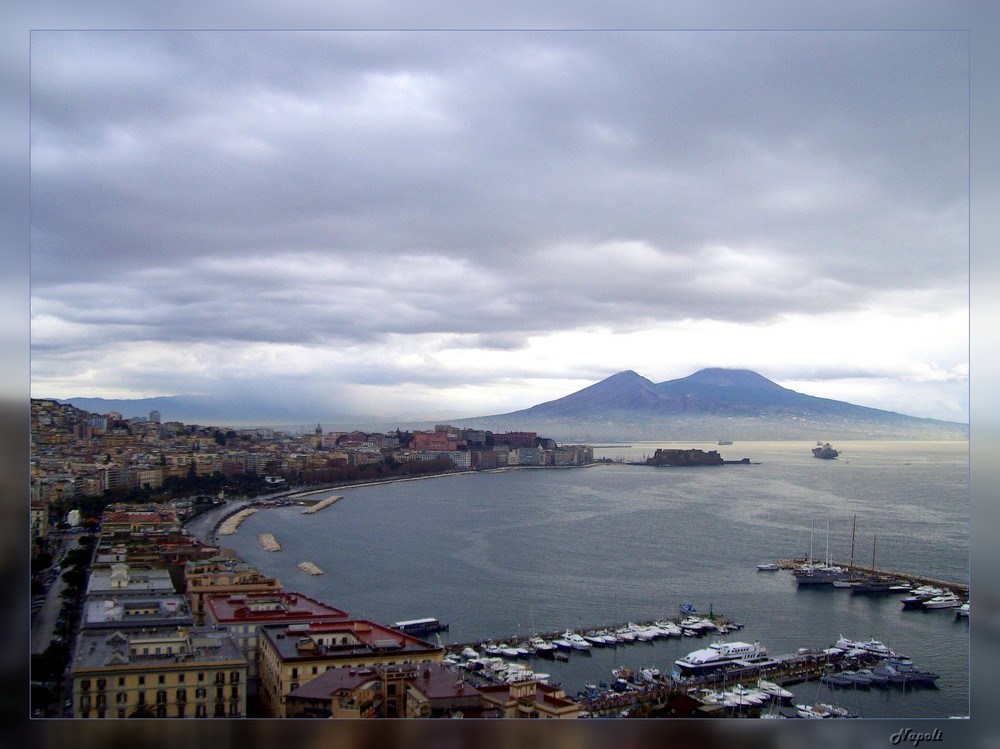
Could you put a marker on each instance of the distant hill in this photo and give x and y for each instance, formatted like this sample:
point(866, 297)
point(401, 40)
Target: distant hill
point(710, 404)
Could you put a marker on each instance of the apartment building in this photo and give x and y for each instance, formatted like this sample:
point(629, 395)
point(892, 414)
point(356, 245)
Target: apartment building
point(292, 655)
point(158, 673)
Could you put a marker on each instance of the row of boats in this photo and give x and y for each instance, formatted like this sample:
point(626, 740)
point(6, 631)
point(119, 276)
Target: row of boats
point(570, 640)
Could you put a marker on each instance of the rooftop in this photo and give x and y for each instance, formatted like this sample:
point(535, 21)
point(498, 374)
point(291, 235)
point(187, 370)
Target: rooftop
point(154, 647)
point(268, 607)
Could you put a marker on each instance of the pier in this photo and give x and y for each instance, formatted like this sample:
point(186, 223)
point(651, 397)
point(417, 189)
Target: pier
point(323, 503)
point(959, 589)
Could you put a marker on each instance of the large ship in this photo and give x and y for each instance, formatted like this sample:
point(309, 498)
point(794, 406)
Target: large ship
point(719, 654)
point(825, 451)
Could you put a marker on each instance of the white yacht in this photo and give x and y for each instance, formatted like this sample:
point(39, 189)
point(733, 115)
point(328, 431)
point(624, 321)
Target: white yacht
point(541, 646)
point(575, 641)
point(719, 653)
point(962, 610)
point(774, 690)
point(943, 601)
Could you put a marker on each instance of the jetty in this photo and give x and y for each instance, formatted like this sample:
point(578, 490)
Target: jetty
point(311, 568)
point(269, 542)
point(323, 503)
point(229, 525)
point(959, 589)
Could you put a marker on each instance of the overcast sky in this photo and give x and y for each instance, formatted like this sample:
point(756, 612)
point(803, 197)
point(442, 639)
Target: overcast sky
point(469, 223)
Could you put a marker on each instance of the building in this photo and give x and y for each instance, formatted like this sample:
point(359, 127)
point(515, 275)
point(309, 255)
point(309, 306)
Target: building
point(112, 611)
point(242, 614)
point(136, 519)
point(530, 699)
point(39, 521)
point(120, 579)
point(292, 655)
point(158, 673)
point(222, 576)
point(428, 690)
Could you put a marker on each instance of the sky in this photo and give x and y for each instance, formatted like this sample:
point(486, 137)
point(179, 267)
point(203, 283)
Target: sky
point(421, 223)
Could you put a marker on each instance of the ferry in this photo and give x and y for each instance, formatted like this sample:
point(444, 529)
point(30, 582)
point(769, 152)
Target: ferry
point(719, 654)
point(424, 626)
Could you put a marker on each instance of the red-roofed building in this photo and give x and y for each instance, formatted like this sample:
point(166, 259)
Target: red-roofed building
point(242, 614)
point(292, 655)
point(428, 690)
point(530, 699)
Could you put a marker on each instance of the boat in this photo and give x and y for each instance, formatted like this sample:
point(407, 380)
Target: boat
point(774, 690)
point(575, 640)
point(560, 655)
point(962, 611)
point(562, 644)
point(541, 646)
point(812, 573)
point(719, 654)
point(943, 601)
point(825, 451)
point(469, 654)
point(595, 639)
point(919, 595)
point(767, 567)
point(423, 626)
point(625, 634)
point(835, 680)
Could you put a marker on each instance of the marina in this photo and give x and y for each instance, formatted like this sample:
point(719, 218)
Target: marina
point(498, 556)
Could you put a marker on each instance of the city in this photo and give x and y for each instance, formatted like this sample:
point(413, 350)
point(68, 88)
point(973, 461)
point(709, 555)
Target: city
point(134, 617)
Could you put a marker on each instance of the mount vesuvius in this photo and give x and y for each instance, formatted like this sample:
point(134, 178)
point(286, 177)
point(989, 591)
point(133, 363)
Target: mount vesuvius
point(710, 404)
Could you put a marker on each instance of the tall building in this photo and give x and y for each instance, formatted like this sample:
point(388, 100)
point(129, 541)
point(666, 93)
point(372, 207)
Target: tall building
point(154, 417)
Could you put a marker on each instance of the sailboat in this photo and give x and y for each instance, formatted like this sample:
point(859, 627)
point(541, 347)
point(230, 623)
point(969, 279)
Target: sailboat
point(850, 581)
point(819, 574)
point(874, 583)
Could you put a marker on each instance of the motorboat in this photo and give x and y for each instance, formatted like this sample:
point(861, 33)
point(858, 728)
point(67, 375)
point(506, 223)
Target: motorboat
point(576, 641)
point(562, 644)
point(774, 690)
point(943, 601)
point(768, 567)
point(835, 680)
point(626, 634)
point(595, 639)
point(469, 654)
point(541, 646)
point(963, 610)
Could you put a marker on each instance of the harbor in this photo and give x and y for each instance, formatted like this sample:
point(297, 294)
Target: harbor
point(504, 556)
point(747, 686)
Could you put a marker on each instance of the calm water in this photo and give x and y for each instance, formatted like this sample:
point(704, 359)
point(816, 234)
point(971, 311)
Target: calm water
point(504, 554)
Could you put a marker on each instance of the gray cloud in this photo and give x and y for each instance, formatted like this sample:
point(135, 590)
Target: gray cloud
point(333, 189)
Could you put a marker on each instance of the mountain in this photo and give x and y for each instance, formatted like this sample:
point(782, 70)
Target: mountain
point(710, 404)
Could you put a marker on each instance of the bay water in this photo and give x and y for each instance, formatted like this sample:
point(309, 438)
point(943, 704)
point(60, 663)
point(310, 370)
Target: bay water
point(501, 555)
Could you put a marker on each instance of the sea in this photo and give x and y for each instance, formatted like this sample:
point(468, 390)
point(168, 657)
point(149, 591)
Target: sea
point(501, 555)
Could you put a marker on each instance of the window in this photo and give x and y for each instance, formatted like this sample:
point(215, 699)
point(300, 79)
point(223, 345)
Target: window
point(220, 677)
point(121, 681)
point(84, 685)
point(180, 711)
point(200, 711)
point(180, 678)
point(219, 692)
point(85, 702)
point(200, 692)
point(161, 711)
point(161, 679)
point(142, 698)
point(142, 680)
point(220, 710)
point(295, 673)
point(234, 691)
point(161, 697)
point(121, 698)
point(234, 710)
point(234, 676)
point(102, 683)
point(121, 712)
point(182, 695)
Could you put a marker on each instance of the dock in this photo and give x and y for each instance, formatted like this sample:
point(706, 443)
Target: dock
point(958, 589)
point(323, 503)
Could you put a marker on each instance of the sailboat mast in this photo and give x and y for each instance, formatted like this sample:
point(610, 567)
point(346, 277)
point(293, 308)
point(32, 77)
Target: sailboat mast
point(854, 527)
point(874, 539)
point(828, 542)
point(812, 529)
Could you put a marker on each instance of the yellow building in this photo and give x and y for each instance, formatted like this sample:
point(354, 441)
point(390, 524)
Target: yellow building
point(222, 576)
point(158, 673)
point(292, 655)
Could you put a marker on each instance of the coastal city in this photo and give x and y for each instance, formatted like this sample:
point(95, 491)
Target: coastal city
point(140, 610)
